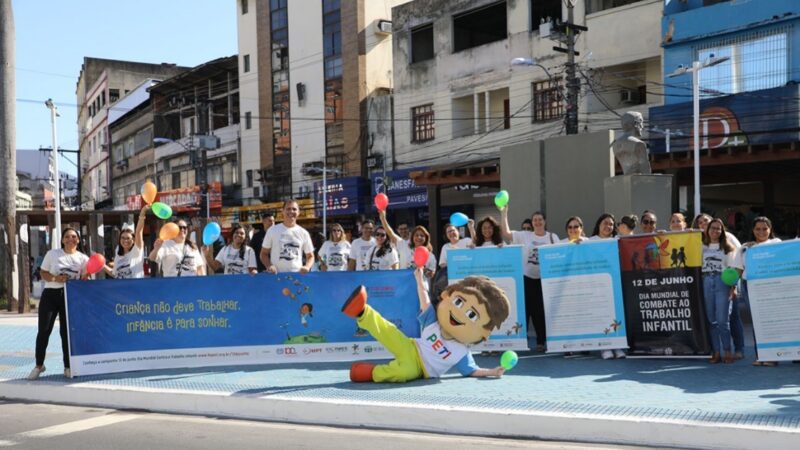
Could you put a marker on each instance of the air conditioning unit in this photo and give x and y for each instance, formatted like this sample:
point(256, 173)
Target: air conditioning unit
point(383, 26)
point(628, 96)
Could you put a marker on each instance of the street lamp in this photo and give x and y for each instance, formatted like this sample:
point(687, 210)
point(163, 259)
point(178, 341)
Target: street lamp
point(324, 170)
point(697, 66)
point(56, 239)
point(530, 62)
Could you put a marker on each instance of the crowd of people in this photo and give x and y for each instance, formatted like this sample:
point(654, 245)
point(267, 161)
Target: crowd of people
point(288, 247)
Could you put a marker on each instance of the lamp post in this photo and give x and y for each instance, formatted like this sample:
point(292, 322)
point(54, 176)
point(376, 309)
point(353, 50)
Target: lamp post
point(697, 66)
point(325, 171)
point(56, 240)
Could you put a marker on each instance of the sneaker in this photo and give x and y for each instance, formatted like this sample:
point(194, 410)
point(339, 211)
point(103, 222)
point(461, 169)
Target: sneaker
point(36, 372)
point(619, 353)
point(354, 305)
point(738, 355)
point(607, 354)
point(67, 373)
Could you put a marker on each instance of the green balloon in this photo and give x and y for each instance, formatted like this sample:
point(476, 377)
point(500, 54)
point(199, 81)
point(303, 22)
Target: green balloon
point(508, 360)
point(501, 199)
point(730, 276)
point(161, 210)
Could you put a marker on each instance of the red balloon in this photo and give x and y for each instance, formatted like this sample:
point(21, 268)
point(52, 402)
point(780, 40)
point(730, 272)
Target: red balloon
point(421, 255)
point(95, 263)
point(381, 201)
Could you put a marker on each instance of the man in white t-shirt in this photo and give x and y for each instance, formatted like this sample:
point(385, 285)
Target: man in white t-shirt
point(286, 243)
point(359, 248)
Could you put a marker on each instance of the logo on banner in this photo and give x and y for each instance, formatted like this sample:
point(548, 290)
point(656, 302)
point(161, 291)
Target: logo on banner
point(719, 127)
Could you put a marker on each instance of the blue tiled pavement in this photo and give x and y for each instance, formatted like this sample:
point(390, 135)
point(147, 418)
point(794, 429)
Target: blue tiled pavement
point(691, 390)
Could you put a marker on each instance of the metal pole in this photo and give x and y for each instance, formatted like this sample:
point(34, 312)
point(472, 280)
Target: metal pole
point(56, 240)
point(696, 128)
point(572, 79)
point(324, 196)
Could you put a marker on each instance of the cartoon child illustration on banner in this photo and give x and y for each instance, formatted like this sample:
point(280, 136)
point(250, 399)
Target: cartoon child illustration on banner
point(466, 314)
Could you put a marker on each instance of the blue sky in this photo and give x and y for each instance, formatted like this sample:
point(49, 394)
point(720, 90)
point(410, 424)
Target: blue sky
point(53, 36)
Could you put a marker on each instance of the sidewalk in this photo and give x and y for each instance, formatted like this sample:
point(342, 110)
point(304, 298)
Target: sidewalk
point(677, 403)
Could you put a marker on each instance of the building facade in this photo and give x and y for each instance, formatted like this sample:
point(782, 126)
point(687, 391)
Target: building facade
point(749, 109)
point(316, 78)
point(101, 83)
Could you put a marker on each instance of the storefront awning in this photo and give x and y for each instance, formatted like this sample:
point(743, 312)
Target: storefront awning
point(486, 172)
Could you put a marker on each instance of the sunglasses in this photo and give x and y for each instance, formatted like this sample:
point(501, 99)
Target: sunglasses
point(183, 227)
point(648, 222)
point(380, 234)
point(573, 227)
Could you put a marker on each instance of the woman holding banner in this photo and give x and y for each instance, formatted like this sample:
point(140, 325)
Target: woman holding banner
point(178, 256)
point(531, 241)
point(334, 253)
point(59, 266)
point(762, 234)
point(677, 222)
point(454, 241)
point(129, 260)
point(235, 258)
point(574, 229)
point(382, 256)
point(627, 225)
point(490, 235)
point(718, 255)
point(605, 227)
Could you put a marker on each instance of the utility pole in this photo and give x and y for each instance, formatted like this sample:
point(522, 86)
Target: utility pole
point(8, 152)
point(567, 33)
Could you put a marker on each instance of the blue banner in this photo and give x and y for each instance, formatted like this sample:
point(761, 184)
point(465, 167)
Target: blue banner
point(403, 192)
point(773, 288)
point(344, 196)
point(504, 266)
point(122, 325)
point(582, 289)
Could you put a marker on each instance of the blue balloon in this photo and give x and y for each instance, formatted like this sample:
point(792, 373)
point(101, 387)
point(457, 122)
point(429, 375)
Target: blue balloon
point(459, 219)
point(211, 233)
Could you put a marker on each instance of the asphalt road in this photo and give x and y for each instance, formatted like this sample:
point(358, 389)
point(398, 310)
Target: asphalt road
point(48, 427)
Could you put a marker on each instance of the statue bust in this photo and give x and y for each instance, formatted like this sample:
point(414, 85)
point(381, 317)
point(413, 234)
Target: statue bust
point(629, 149)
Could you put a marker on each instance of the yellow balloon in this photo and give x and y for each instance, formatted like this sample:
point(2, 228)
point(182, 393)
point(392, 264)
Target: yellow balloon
point(168, 231)
point(149, 192)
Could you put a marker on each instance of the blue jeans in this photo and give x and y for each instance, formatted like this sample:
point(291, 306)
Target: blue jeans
point(718, 310)
point(737, 327)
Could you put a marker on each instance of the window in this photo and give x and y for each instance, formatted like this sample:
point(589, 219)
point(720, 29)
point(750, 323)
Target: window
point(246, 63)
point(593, 6)
point(248, 120)
point(244, 6)
point(422, 123)
point(332, 38)
point(113, 95)
point(547, 104)
point(480, 26)
point(143, 139)
point(757, 61)
point(422, 43)
point(249, 175)
point(546, 11)
point(176, 180)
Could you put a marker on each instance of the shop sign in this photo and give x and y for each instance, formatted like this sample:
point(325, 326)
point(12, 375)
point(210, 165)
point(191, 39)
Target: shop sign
point(344, 196)
point(403, 192)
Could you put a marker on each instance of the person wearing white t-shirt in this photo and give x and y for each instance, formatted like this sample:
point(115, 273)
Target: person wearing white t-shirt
point(454, 241)
point(382, 255)
point(359, 247)
point(530, 242)
point(179, 256)
point(606, 228)
point(406, 248)
point(129, 260)
point(488, 235)
point(762, 234)
point(335, 252)
point(59, 266)
point(574, 229)
point(235, 258)
point(287, 243)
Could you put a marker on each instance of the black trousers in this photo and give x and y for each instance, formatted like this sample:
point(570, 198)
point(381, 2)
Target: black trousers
point(534, 307)
point(51, 305)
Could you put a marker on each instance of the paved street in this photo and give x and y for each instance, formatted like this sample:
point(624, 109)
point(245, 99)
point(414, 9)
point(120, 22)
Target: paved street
point(47, 426)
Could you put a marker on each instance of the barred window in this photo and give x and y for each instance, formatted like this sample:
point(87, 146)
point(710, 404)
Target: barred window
point(423, 125)
point(547, 104)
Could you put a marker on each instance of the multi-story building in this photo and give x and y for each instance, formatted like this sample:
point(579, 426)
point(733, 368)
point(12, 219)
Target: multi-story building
point(101, 83)
point(130, 127)
point(458, 99)
point(315, 80)
point(36, 179)
point(196, 136)
point(749, 108)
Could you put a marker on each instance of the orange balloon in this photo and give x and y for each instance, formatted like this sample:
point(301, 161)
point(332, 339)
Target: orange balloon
point(149, 192)
point(168, 231)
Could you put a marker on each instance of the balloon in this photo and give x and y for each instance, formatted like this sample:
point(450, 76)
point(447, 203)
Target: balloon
point(509, 359)
point(95, 263)
point(421, 255)
point(162, 210)
point(381, 201)
point(168, 231)
point(501, 199)
point(730, 276)
point(459, 219)
point(149, 192)
point(211, 233)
